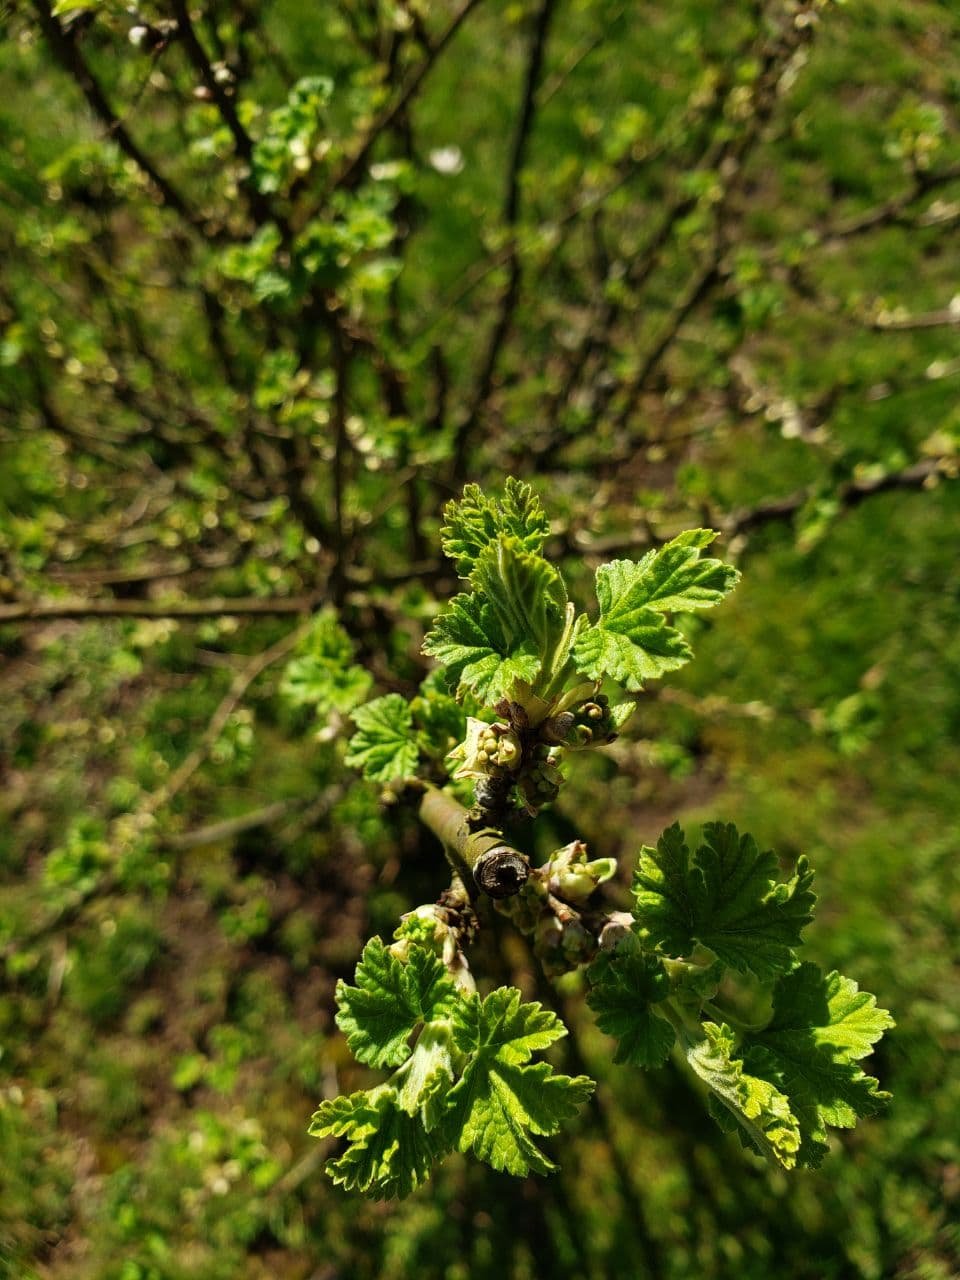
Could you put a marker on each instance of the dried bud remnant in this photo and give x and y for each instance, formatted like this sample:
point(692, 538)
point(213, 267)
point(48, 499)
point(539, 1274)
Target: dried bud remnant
point(501, 872)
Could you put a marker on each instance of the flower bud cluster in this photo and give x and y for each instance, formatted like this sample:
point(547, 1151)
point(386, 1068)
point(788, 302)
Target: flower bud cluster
point(488, 750)
point(439, 929)
point(594, 725)
point(515, 760)
point(561, 943)
point(590, 724)
point(571, 877)
point(548, 907)
point(540, 783)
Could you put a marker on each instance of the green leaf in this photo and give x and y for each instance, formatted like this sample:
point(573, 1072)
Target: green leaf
point(474, 521)
point(384, 746)
point(674, 578)
point(515, 1029)
point(340, 691)
point(822, 1025)
point(630, 650)
point(525, 591)
point(323, 677)
point(726, 897)
point(389, 1154)
point(620, 713)
point(441, 721)
point(631, 641)
point(425, 1079)
point(504, 632)
point(757, 1106)
point(62, 8)
point(479, 656)
point(626, 983)
point(390, 1001)
point(502, 1097)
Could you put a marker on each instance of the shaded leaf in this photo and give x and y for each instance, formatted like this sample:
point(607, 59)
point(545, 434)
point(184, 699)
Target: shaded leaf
point(625, 985)
point(726, 897)
point(502, 1098)
point(389, 1153)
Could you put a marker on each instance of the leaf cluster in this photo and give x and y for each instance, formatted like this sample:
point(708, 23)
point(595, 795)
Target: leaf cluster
point(516, 629)
point(711, 926)
point(701, 919)
point(467, 1081)
point(394, 737)
point(322, 678)
point(515, 644)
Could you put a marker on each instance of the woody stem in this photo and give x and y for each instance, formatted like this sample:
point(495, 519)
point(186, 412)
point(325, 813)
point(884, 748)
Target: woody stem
point(482, 858)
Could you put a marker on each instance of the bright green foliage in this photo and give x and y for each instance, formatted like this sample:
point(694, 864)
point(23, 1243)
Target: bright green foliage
point(525, 591)
point(474, 521)
point(631, 647)
point(398, 1129)
point(620, 713)
point(822, 1026)
point(383, 746)
point(515, 636)
point(254, 263)
point(760, 1109)
point(390, 1152)
point(323, 676)
point(625, 986)
point(514, 647)
point(394, 1130)
point(158, 418)
point(390, 1001)
point(292, 131)
point(478, 655)
point(514, 639)
point(631, 641)
point(392, 734)
point(441, 721)
point(725, 897)
point(331, 250)
point(502, 1098)
point(781, 1083)
point(674, 577)
point(425, 1078)
point(502, 633)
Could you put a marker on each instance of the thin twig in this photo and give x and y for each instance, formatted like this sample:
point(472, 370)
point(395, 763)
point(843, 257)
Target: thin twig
point(341, 367)
point(218, 832)
point(353, 162)
point(510, 216)
point(919, 475)
point(66, 50)
point(238, 688)
point(212, 607)
point(259, 205)
point(892, 210)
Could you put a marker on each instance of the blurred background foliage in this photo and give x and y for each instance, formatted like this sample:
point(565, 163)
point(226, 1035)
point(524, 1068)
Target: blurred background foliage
point(278, 279)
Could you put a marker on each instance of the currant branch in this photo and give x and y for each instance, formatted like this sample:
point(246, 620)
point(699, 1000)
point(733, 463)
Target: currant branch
point(525, 682)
